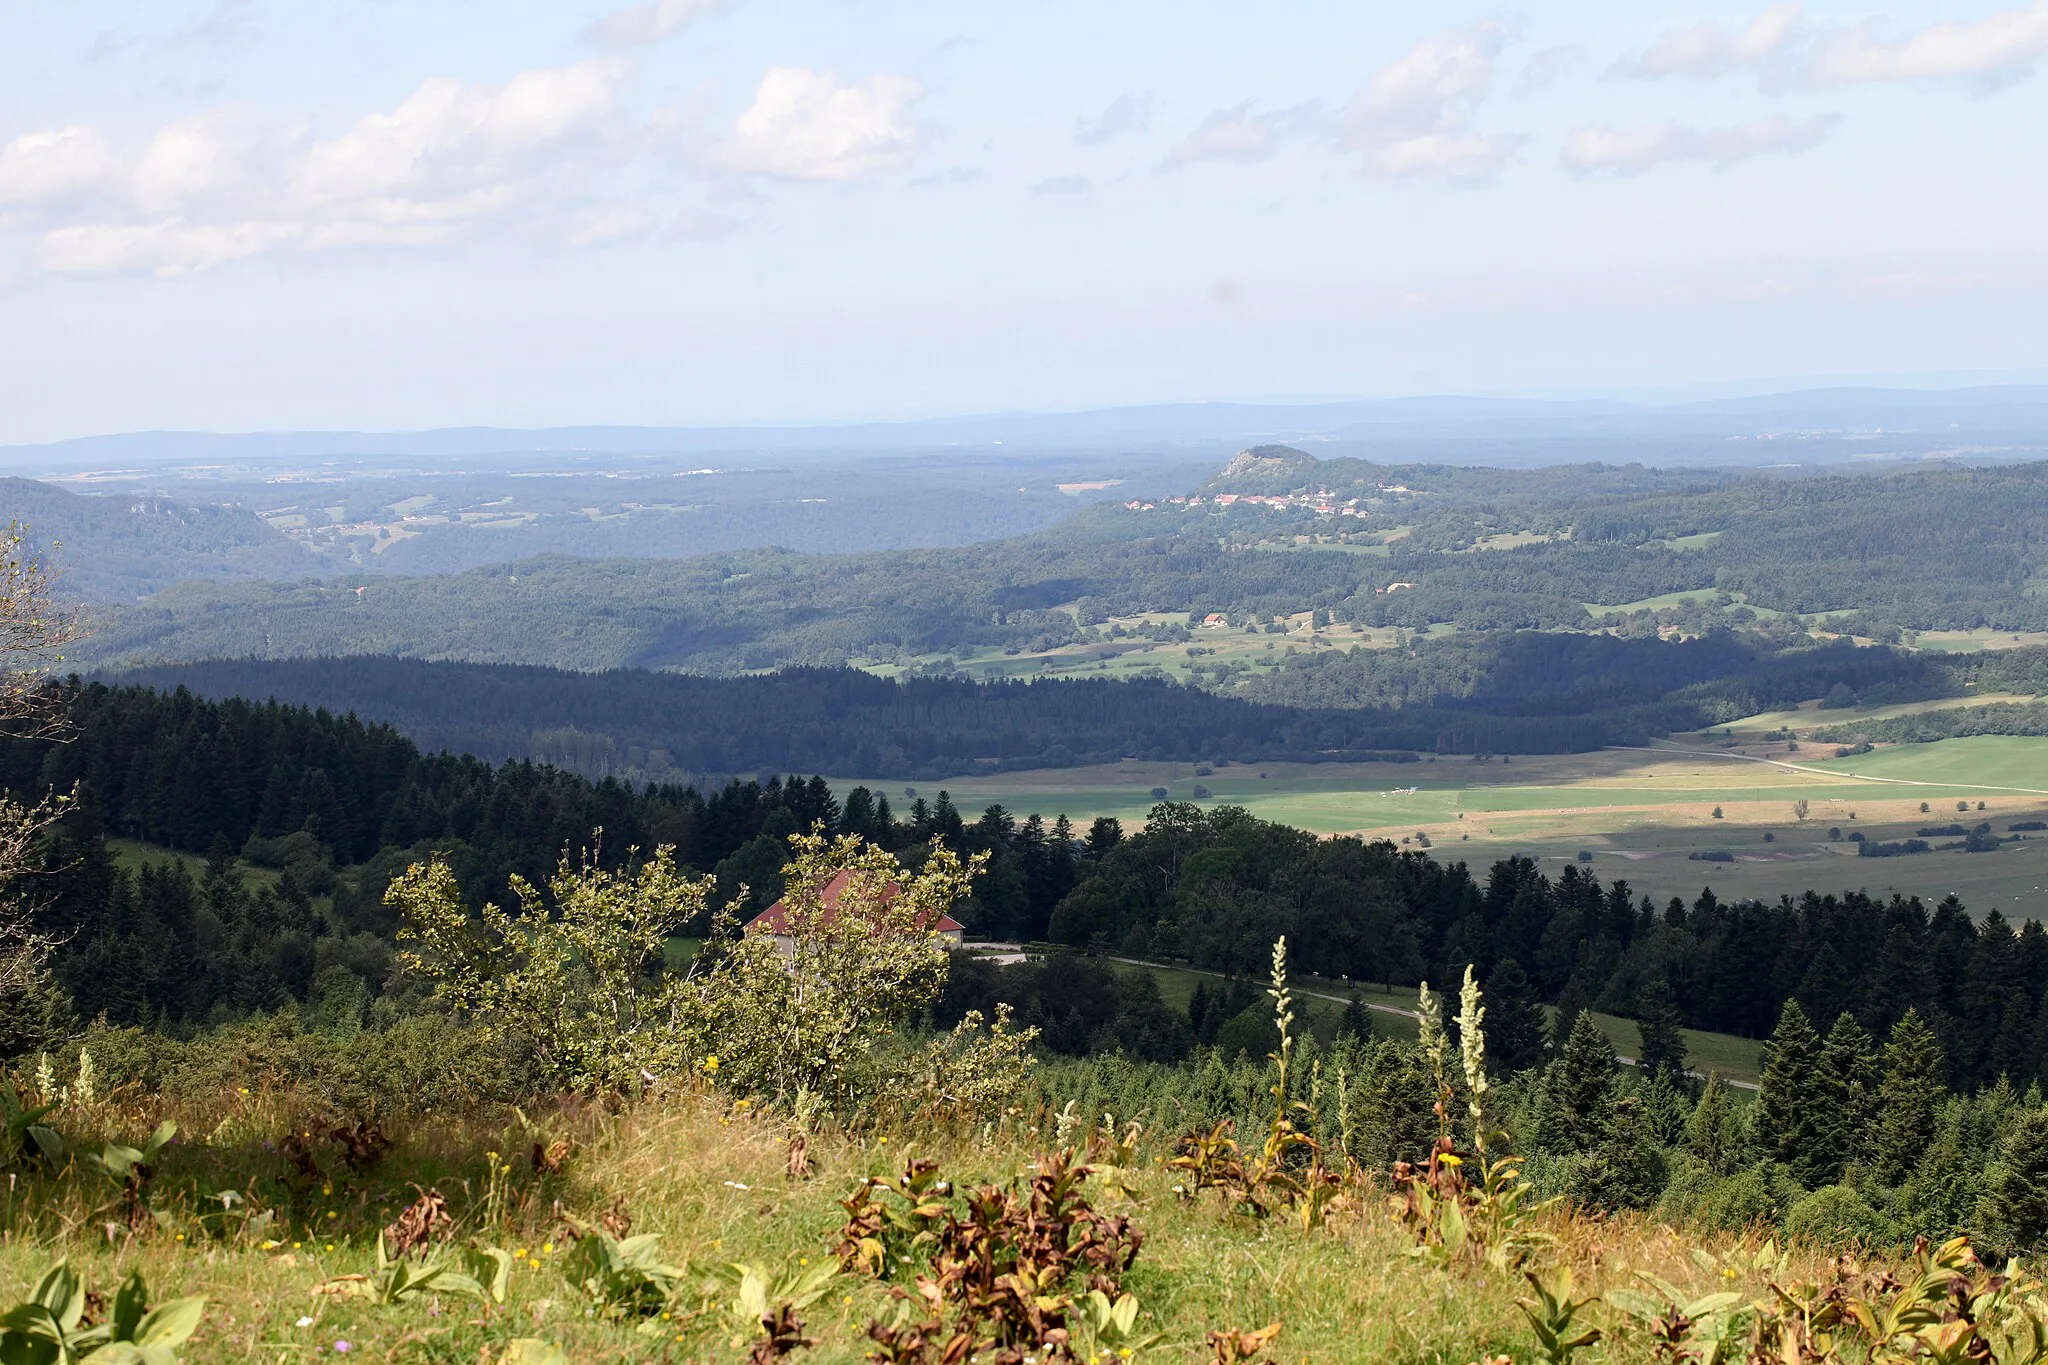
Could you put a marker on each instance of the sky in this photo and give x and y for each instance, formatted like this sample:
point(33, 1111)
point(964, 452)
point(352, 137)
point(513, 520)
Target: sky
point(360, 214)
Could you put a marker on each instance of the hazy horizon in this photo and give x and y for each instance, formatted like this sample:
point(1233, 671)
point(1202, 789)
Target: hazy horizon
point(231, 215)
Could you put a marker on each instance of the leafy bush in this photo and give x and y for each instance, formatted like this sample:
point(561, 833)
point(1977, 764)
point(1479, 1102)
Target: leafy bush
point(564, 981)
point(1738, 1202)
point(1836, 1215)
point(802, 1018)
point(422, 1063)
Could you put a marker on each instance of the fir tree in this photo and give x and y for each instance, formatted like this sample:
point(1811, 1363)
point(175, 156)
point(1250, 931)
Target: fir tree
point(1663, 1047)
point(1790, 1117)
point(1909, 1098)
point(1848, 1081)
point(1578, 1102)
point(1514, 1020)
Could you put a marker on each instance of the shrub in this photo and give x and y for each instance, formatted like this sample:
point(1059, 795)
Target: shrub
point(1836, 1215)
point(1691, 1181)
point(1738, 1202)
point(566, 981)
point(422, 1063)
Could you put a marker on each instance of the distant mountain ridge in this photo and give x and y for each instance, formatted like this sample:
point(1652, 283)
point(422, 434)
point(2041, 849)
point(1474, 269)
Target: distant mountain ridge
point(2003, 411)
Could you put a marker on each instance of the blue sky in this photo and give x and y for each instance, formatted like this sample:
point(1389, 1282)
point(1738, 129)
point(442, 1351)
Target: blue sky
point(242, 214)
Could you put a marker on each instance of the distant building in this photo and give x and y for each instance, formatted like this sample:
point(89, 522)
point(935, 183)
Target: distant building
point(774, 921)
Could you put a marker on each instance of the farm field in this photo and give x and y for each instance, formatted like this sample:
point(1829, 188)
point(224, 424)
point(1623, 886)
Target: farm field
point(1639, 814)
point(1135, 655)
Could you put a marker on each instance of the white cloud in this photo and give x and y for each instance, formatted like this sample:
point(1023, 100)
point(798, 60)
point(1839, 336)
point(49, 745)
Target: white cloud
point(1547, 67)
point(58, 164)
point(208, 159)
point(1710, 48)
point(1912, 283)
point(1602, 147)
point(1791, 53)
point(1415, 115)
point(166, 249)
point(1448, 154)
point(805, 125)
point(224, 186)
point(452, 142)
point(595, 227)
point(1241, 133)
point(229, 24)
point(1125, 114)
point(645, 25)
point(1988, 52)
point(1062, 184)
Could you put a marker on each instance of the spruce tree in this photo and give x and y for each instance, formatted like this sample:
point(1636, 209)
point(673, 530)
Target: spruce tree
point(2019, 1190)
point(1848, 1083)
point(1579, 1091)
point(1790, 1107)
point(1909, 1097)
point(1356, 1021)
point(1663, 1047)
point(1712, 1133)
point(1573, 1002)
point(1514, 1020)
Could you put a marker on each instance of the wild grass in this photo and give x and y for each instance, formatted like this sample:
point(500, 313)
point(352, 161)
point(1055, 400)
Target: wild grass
point(711, 1177)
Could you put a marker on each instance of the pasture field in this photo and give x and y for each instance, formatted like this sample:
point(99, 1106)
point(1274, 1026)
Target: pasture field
point(1639, 813)
point(1970, 641)
point(1135, 656)
point(132, 854)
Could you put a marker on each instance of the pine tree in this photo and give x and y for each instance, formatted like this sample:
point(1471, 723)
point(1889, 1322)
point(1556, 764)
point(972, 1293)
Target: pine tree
point(1909, 1098)
point(1848, 1081)
point(1663, 1046)
point(1579, 1091)
point(1790, 1107)
point(1514, 1021)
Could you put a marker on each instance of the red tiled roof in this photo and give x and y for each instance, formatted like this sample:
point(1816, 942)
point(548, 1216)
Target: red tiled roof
point(775, 919)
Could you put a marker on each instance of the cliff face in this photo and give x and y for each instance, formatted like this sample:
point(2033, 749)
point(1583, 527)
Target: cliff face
point(1265, 469)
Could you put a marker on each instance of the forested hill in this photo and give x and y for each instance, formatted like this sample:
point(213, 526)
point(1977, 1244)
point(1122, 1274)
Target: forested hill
point(334, 808)
point(1482, 549)
point(639, 723)
point(1506, 692)
point(116, 549)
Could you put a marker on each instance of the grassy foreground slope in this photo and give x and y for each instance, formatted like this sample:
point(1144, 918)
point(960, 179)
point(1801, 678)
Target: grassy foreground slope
point(711, 1180)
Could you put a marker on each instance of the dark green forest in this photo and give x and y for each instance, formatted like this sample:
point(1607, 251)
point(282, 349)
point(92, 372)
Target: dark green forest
point(1504, 692)
point(302, 817)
